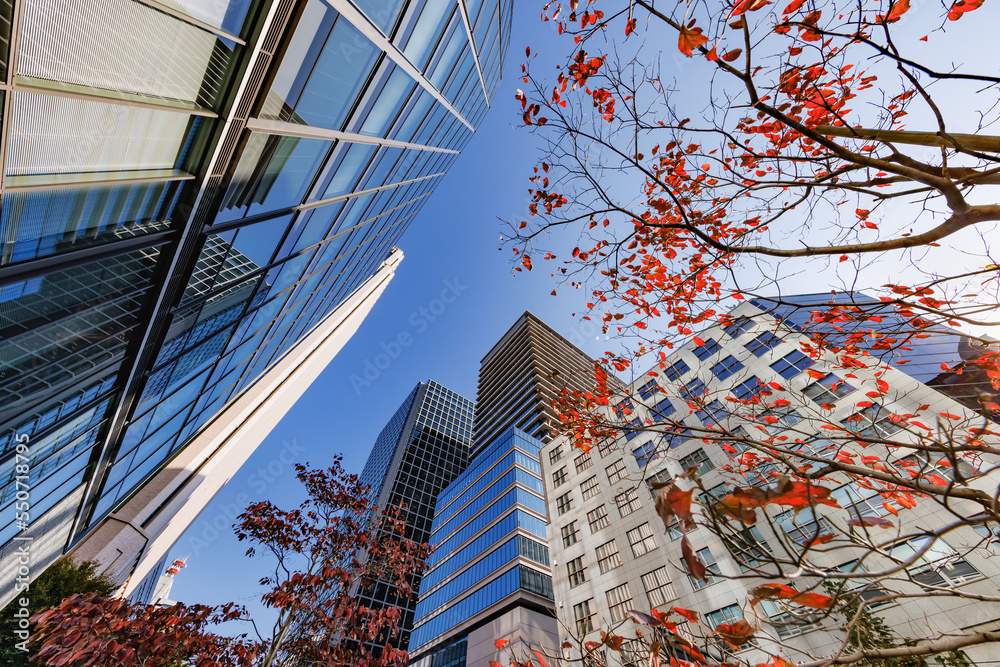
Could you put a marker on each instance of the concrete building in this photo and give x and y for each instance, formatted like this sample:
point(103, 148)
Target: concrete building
point(422, 448)
point(608, 547)
point(200, 202)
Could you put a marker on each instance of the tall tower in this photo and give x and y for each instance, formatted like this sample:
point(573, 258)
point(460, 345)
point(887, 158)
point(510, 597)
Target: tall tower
point(422, 448)
point(516, 380)
point(200, 203)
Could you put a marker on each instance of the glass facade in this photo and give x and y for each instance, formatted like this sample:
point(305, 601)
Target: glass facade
point(180, 207)
point(489, 539)
point(422, 448)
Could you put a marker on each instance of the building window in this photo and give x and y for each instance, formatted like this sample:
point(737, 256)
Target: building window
point(647, 390)
point(559, 477)
point(859, 502)
point(628, 502)
point(606, 448)
point(556, 454)
point(674, 529)
point(693, 390)
point(872, 422)
point(583, 461)
point(590, 488)
point(659, 590)
point(803, 527)
point(675, 370)
point(570, 534)
point(564, 503)
point(577, 572)
point(726, 615)
point(634, 428)
point(616, 471)
point(778, 418)
point(624, 408)
point(607, 557)
point(747, 547)
point(657, 480)
point(750, 389)
point(583, 615)
point(641, 540)
point(619, 602)
point(712, 571)
point(703, 352)
point(645, 453)
point(827, 389)
point(763, 344)
point(938, 566)
point(726, 367)
point(662, 410)
point(736, 328)
point(791, 364)
point(713, 413)
point(598, 518)
point(697, 459)
point(919, 466)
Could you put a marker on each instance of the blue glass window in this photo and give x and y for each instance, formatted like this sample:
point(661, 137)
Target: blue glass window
point(736, 327)
point(645, 453)
point(763, 344)
point(792, 364)
point(726, 367)
point(677, 369)
point(708, 349)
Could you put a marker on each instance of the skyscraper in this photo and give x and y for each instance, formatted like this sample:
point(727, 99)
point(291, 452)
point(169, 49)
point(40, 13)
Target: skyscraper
point(420, 451)
point(489, 576)
point(200, 202)
point(516, 381)
point(610, 552)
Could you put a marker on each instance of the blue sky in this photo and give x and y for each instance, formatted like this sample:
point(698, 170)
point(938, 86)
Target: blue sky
point(452, 245)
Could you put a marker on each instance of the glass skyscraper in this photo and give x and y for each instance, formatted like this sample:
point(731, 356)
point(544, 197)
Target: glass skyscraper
point(189, 190)
point(420, 451)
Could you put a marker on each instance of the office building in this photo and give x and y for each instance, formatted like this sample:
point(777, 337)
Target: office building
point(516, 381)
point(422, 448)
point(489, 576)
point(200, 202)
point(610, 552)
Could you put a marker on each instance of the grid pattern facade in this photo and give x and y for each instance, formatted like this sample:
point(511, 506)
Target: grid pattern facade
point(185, 195)
point(489, 537)
point(515, 388)
point(420, 451)
point(652, 570)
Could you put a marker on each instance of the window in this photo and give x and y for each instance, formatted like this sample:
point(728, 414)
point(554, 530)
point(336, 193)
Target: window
point(624, 407)
point(583, 461)
point(747, 547)
point(872, 422)
point(726, 615)
point(606, 448)
point(990, 531)
point(583, 615)
point(641, 540)
point(570, 534)
point(713, 413)
point(559, 477)
point(616, 471)
point(920, 465)
point(633, 429)
point(791, 364)
point(607, 557)
point(598, 518)
point(778, 418)
point(750, 389)
point(674, 529)
point(694, 390)
point(697, 459)
point(864, 587)
point(726, 367)
point(590, 488)
point(712, 571)
point(736, 328)
point(939, 565)
point(859, 502)
point(827, 389)
point(564, 503)
point(763, 344)
point(676, 370)
point(627, 501)
point(659, 590)
point(657, 480)
point(556, 454)
point(647, 390)
point(803, 527)
point(662, 410)
point(703, 352)
point(577, 572)
point(645, 453)
point(619, 602)
point(715, 494)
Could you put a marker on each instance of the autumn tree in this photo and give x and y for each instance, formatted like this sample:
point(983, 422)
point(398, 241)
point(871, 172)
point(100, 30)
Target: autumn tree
point(710, 153)
point(322, 552)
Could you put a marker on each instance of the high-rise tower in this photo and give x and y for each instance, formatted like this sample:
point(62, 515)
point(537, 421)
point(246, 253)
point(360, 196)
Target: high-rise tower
point(200, 202)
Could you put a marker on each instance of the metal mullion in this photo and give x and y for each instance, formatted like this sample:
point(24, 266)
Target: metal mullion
point(282, 128)
point(166, 9)
point(8, 105)
point(361, 193)
point(472, 45)
point(26, 87)
point(179, 176)
point(360, 21)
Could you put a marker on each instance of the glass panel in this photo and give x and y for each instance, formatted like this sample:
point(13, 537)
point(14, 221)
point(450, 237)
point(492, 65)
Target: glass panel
point(291, 167)
point(382, 13)
point(433, 18)
point(391, 99)
point(350, 169)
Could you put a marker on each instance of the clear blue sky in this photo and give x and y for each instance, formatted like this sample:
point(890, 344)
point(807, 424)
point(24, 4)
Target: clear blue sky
point(454, 241)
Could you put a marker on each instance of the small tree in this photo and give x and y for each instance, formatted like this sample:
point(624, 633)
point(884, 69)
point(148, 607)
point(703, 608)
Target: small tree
point(62, 579)
point(323, 551)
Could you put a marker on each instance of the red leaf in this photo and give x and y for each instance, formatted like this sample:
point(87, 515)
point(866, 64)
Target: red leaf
point(695, 567)
point(963, 6)
point(793, 6)
point(730, 56)
point(814, 600)
point(737, 634)
point(686, 613)
point(690, 39)
point(501, 643)
point(899, 7)
point(630, 27)
point(871, 521)
point(816, 375)
point(698, 341)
